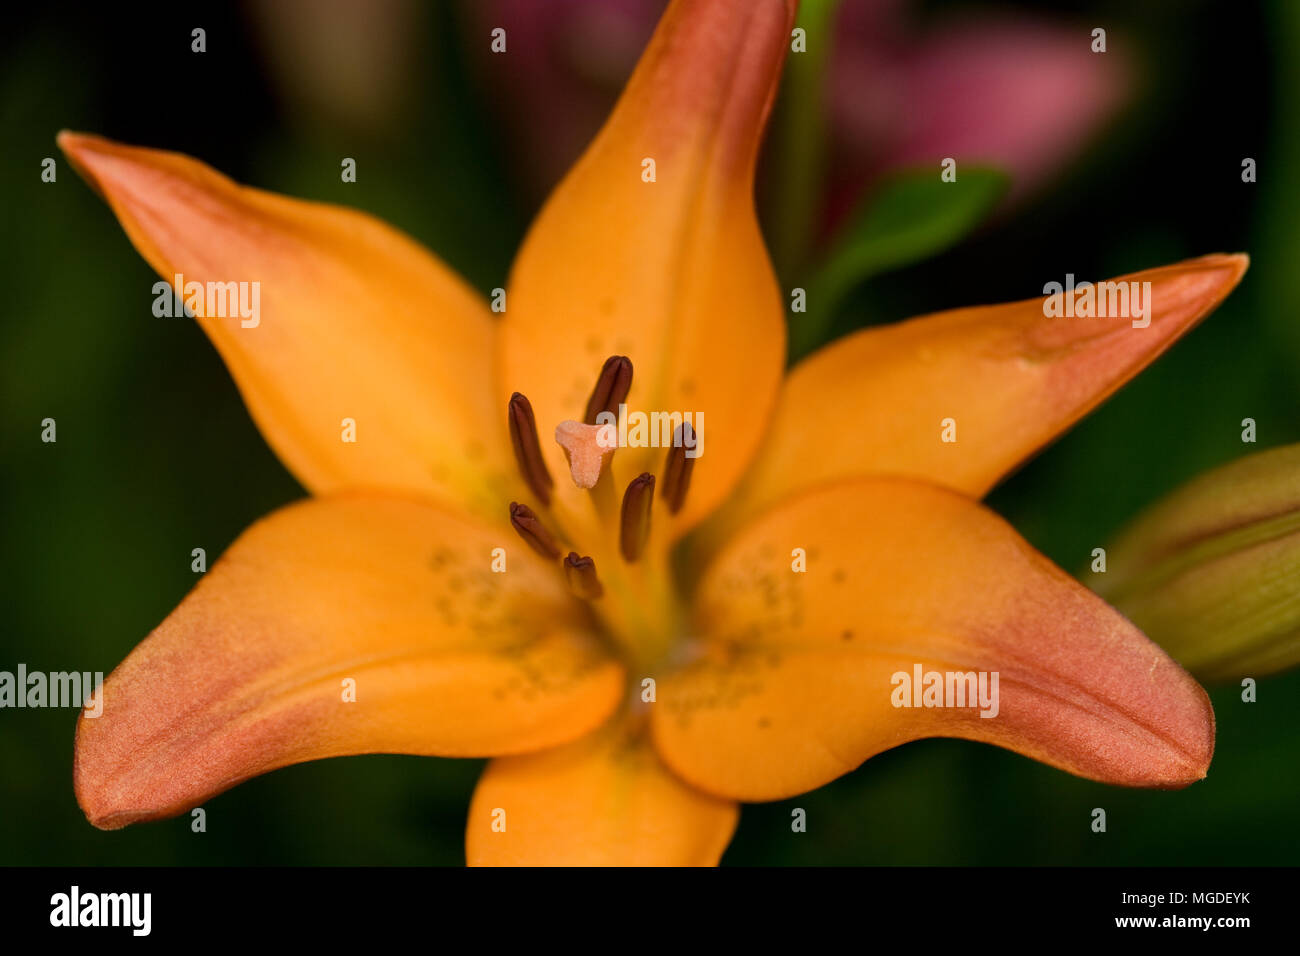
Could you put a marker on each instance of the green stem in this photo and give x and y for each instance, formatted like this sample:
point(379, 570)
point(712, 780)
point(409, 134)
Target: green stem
point(800, 134)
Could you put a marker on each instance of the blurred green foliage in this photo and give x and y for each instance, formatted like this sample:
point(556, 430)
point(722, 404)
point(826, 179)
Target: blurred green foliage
point(910, 216)
point(156, 454)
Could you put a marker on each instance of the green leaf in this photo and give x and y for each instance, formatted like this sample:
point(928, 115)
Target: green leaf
point(913, 215)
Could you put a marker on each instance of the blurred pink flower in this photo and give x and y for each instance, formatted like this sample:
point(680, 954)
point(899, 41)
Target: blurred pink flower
point(1023, 94)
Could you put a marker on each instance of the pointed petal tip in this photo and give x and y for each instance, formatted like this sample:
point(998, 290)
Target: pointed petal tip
point(1228, 268)
point(95, 157)
point(108, 822)
point(76, 143)
point(69, 140)
point(81, 148)
point(94, 794)
point(131, 179)
point(1234, 263)
point(1196, 746)
point(95, 800)
point(78, 148)
point(1240, 263)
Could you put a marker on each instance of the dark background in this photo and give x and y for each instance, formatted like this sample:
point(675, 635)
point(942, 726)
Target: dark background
point(156, 454)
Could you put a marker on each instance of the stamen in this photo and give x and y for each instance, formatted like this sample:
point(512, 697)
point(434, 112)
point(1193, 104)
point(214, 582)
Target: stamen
point(580, 573)
point(528, 451)
point(634, 531)
point(587, 447)
point(533, 531)
point(611, 388)
point(678, 467)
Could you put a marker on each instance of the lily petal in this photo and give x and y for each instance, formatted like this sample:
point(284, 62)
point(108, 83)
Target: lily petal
point(796, 685)
point(1011, 379)
point(671, 273)
point(251, 671)
point(606, 800)
point(355, 321)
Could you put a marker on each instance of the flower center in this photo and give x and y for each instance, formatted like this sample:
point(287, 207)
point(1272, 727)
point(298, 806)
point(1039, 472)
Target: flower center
point(614, 563)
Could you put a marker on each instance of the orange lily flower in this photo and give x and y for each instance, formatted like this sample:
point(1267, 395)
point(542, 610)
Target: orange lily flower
point(674, 664)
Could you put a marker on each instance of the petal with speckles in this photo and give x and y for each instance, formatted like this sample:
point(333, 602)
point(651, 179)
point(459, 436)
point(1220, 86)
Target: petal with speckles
point(384, 600)
point(797, 684)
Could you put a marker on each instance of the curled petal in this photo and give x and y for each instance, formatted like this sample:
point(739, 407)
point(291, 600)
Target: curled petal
point(797, 683)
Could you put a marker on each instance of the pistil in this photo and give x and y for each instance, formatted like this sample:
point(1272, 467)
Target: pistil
point(588, 448)
point(633, 596)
